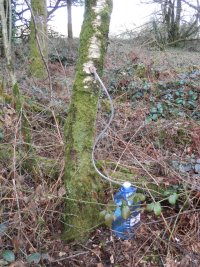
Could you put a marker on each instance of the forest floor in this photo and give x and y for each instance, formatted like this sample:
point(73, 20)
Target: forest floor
point(154, 138)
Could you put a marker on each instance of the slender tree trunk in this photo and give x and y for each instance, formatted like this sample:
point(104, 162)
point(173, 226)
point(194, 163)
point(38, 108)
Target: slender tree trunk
point(168, 19)
point(81, 185)
point(198, 10)
point(6, 39)
point(172, 21)
point(38, 38)
point(178, 19)
point(8, 54)
point(69, 19)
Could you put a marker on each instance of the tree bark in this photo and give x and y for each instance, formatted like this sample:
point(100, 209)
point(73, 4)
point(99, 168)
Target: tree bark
point(7, 41)
point(178, 17)
point(38, 38)
point(79, 178)
point(69, 19)
point(171, 11)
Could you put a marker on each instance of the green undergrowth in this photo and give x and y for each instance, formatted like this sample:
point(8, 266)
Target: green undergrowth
point(172, 111)
point(166, 98)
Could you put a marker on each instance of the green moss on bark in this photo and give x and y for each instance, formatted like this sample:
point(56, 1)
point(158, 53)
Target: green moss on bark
point(80, 178)
point(38, 28)
point(1, 88)
point(17, 98)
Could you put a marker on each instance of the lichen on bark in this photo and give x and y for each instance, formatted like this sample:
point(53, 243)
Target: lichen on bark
point(80, 179)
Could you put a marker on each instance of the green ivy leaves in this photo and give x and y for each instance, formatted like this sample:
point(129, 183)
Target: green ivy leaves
point(3, 229)
point(173, 198)
point(8, 255)
point(34, 258)
point(155, 207)
point(176, 101)
point(125, 211)
point(137, 197)
point(108, 215)
point(109, 218)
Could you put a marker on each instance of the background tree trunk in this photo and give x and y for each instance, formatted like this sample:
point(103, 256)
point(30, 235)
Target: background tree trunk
point(82, 187)
point(6, 34)
point(69, 19)
point(178, 19)
point(38, 35)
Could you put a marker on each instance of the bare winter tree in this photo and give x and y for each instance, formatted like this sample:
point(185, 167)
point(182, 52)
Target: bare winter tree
point(171, 27)
point(54, 5)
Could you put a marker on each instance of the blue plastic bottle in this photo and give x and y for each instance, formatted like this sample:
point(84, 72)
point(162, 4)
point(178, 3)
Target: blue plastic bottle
point(122, 228)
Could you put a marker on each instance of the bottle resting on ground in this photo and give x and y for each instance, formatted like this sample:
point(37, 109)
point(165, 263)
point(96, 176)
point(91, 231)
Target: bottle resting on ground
point(125, 228)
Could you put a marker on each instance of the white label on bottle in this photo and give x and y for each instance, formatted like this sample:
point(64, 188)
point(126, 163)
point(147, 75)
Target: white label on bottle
point(135, 220)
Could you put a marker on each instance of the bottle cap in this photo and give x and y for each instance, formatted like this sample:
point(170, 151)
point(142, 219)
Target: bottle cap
point(126, 184)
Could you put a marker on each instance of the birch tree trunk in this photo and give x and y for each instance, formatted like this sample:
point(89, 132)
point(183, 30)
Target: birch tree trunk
point(38, 38)
point(82, 187)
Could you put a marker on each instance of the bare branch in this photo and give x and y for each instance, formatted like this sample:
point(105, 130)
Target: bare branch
point(55, 7)
point(197, 8)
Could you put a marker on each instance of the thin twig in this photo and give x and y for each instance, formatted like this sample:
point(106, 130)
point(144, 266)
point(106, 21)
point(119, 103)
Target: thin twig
point(57, 127)
point(70, 257)
point(14, 167)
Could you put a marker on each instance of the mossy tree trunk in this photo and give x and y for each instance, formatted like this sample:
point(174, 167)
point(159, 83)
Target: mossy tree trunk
point(38, 38)
point(82, 216)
